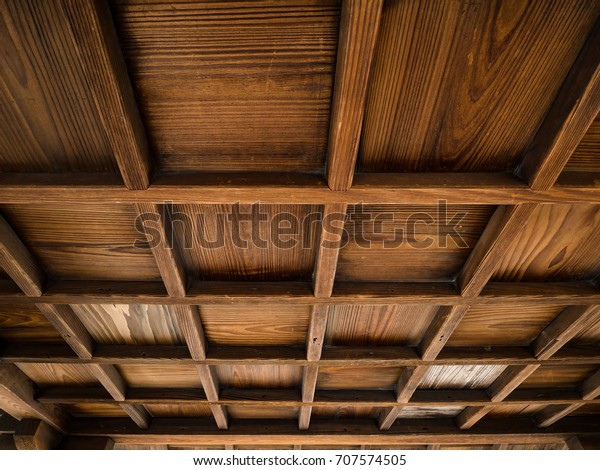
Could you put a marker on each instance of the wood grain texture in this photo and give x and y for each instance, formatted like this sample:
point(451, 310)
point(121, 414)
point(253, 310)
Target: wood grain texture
point(131, 323)
point(440, 330)
point(464, 87)
point(357, 378)
point(559, 242)
point(255, 78)
point(585, 156)
point(260, 376)
point(147, 375)
point(378, 325)
point(188, 320)
point(17, 261)
point(159, 231)
point(408, 243)
point(72, 330)
point(25, 323)
point(463, 377)
point(573, 111)
point(33, 434)
point(59, 374)
point(105, 70)
point(359, 26)
point(247, 325)
point(49, 122)
point(332, 229)
point(249, 243)
point(558, 376)
point(316, 332)
point(85, 241)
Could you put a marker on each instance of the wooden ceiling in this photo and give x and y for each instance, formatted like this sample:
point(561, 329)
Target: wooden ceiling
point(363, 224)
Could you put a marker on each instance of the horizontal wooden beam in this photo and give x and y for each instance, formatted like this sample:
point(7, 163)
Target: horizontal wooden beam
point(274, 188)
point(300, 293)
point(397, 356)
point(198, 431)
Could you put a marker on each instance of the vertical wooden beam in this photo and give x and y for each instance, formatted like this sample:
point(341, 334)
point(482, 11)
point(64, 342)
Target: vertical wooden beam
point(359, 26)
point(329, 249)
point(33, 434)
point(17, 393)
point(210, 383)
point(573, 111)
point(94, 32)
point(70, 327)
point(156, 222)
point(18, 262)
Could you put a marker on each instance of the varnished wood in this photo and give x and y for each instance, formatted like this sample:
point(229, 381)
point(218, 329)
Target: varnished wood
point(98, 46)
point(575, 107)
point(210, 383)
point(329, 248)
point(359, 25)
point(64, 319)
point(439, 332)
point(18, 261)
point(158, 227)
point(33, 434)
point(190, 324)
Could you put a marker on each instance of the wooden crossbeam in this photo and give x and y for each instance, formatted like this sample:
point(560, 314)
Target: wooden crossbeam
point(70, 327)
point(18, 262)
point(573, 111)
point(359, 26)
point(156, 222)
point(106, 72)
point(198, 431)
point(17, 398)
point(329, 249)
point(33, 434)
point(300, 293)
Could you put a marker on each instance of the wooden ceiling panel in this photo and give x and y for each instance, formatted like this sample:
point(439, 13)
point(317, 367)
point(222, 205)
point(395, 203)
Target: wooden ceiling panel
point(247, 325)
point(378, 325)
point(460, 86)
point(48, 119)
point(351, 412)
point(559, 376)
point(459, 377)
point(411, 412)
point(503, 325)
point(247, 243)
point(263, 376)
point(242, 86)
point(512, 410)
point(84, 241)
point(263, 412)
point(162, 411)
point(26, 323)
point(560, 242)
point(45, 375)
point(153, 375)
point(586, 155)
point(590, 335)
point(130, 324)
point(409, 243)
point(87, 410)
point(358, 378)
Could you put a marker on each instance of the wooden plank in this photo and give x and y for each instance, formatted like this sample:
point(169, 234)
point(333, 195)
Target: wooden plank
point(18, 262)
point(409, 380)
point(33, 434)
point(563, 328)
point(439, 332)
point(194, 431)
point(210, 383)
point(17, 398)
point(188, 319)
point(591, 387)
point(93, 29)
point(329, 249)
point(573, 111)
point(504, 226)
point(276, 188)
point(156, 222)
point(358, 33)
point(138, 414)
point(66, 322)
point(309, 385)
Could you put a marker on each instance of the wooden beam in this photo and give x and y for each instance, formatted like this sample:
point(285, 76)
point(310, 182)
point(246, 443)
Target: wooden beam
point(157, 224)
point(409, 380)
point(506, 223)
point(190, 324)
point(18, 262)
point(309, 385)
point(329, 248)
point(300, 293)
point(573, 111)
point(277, 188)
point(17, 399)
point(87, 443)
point(591, 387)
point(199, 431)
point(359, 26)
point(33, 434)
point(210, 383)
point(93, 29)
point(438, 333)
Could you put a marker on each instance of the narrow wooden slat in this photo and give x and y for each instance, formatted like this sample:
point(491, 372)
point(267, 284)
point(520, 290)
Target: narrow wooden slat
point(17, 398)
point(110, 378)
point(509, 380)
point(18, 262)
point(33, 434)
point(358, 33)
point(156, 222)
point(93, 29)
point(591, 387)
point(409, 380)
point(190, 324)
point(210, 383)
point(316, 332)
point(437, 335)
point(138, 414)
point(70, 327)
point(565, 326)
point(329, 249)
point(503, 227)
point(309, 384)
point(573, 111)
